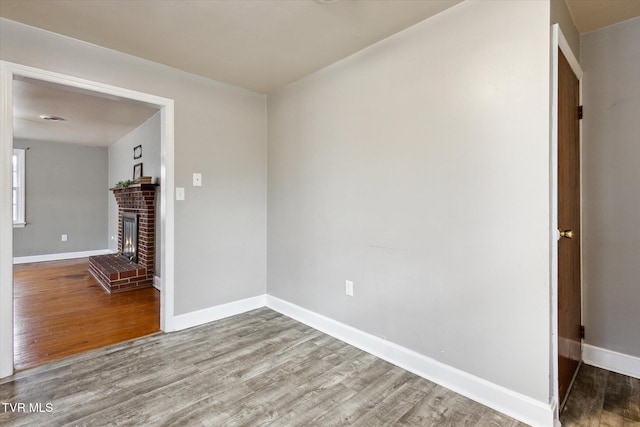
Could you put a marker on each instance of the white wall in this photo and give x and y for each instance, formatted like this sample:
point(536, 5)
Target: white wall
point(220, 229)
point(65, 194)
point(610, 59)
point(560, 15)
point(121, 163)
point(419, 169)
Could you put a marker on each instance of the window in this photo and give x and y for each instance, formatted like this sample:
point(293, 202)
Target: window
point(17, 162)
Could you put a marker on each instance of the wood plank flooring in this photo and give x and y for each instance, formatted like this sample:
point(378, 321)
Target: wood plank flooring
point(602, 398)
point(255, 369)
point(60, 310)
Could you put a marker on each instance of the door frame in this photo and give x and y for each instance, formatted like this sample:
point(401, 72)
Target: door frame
point(10, 71)
point(558, 41)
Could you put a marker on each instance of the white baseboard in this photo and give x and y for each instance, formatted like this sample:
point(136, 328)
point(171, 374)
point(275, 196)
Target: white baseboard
point(200, 317)
point(157, 283)
point(511, 403)
point(611, 360)
point(60, 256)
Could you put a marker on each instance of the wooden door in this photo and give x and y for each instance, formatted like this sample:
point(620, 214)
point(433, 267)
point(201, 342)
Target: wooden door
point(569, 294)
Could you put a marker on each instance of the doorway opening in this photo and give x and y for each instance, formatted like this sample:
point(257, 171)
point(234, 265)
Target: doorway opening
point(9, 73)
point(566, 258)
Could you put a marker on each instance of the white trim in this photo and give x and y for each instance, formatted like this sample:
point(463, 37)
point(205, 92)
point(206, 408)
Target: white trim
point(556, 414)
point(511, 403)
point(157, 283)
point(20, 157)
point(554, 235)
point(60, 256)
point(6, 222)
point(10, 70)
point(206, 315)
point(611, 360)
point(167, 218)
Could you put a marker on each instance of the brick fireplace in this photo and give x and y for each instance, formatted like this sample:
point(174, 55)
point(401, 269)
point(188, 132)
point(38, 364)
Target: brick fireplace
point(115, 272)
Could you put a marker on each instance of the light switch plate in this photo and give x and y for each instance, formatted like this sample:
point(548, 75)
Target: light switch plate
point(179, 193)
point(197, 179)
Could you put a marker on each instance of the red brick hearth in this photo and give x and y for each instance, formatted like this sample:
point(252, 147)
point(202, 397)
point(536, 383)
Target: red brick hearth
point(115, 272)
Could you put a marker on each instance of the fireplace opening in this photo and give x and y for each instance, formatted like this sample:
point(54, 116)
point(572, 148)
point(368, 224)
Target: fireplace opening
point(130, 236)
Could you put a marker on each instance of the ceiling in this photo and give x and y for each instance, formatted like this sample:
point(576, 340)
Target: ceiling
point(90, 119)
point(591, 15)
point(260, 45)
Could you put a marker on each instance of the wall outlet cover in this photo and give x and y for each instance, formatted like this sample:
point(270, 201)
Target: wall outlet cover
point(348, 287)
point(179, 193)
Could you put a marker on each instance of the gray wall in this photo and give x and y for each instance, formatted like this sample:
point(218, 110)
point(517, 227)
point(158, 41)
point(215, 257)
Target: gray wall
point(419, 169)
point(66, 193)
point(220, 229)
point(560, 15)
point(121, 163)
point(611, 177)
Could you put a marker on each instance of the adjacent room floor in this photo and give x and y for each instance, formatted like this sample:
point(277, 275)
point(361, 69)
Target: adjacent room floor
point(602, 398)
point(60, 310)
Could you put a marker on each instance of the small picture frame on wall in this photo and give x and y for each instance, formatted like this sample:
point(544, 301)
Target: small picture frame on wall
point(137, 152)
point(137, 171)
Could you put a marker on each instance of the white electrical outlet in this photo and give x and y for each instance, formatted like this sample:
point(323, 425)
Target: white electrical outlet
point(64, 237)
point(179, 193)
point(348, 287)
point(197, 179)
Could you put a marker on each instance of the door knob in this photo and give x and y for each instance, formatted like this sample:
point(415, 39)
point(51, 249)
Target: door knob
point(566, 233)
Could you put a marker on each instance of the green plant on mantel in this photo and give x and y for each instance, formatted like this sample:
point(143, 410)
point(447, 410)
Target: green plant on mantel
point(125, 184)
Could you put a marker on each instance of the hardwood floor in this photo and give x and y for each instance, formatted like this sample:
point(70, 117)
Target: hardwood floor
point(602, 398)
point(258, 368)
point(60, 310)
